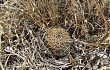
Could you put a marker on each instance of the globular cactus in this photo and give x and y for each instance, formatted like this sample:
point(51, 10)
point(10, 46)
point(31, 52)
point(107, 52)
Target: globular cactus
point(58, 40)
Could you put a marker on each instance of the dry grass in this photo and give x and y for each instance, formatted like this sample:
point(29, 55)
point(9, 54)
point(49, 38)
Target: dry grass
point(24, 26)
point(41, 12)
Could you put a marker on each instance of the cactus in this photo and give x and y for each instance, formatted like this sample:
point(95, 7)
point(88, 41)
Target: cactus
point(58, 40)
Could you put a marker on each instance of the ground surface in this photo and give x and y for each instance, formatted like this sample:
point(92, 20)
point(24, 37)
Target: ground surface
point(54, 35)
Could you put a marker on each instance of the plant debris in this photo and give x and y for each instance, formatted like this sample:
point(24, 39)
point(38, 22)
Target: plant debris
point(54, 35)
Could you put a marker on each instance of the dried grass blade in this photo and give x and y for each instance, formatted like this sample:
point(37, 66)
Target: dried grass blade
point(105, 36)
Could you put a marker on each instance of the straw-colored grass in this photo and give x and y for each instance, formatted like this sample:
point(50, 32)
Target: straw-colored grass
point(33, 31)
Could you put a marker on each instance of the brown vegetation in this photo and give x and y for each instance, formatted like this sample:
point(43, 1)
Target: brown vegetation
point(35, 34)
